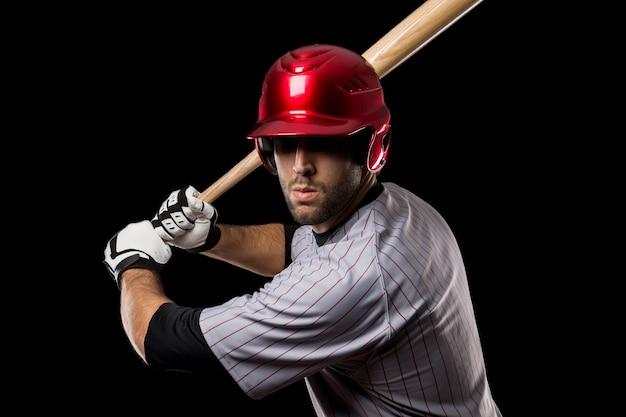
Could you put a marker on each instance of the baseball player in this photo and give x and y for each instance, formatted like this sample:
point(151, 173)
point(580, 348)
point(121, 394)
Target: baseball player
point(368, 299)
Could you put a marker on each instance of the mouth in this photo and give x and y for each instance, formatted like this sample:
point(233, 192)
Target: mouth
point(303, 194)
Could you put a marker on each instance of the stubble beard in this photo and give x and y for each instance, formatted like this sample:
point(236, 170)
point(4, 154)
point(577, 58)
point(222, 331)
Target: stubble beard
point(333, 199)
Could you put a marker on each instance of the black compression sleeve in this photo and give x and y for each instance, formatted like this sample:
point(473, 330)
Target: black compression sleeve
point(174, 341)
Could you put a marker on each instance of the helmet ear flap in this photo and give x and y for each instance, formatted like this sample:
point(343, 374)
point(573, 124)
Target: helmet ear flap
point(265, 148)
point(378, 149)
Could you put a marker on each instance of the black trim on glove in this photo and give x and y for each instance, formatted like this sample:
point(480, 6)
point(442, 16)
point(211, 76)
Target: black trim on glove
point(211, 241)
point(131, 262)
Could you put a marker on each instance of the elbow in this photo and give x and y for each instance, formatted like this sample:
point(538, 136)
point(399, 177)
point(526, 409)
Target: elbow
point(136, 336)
point(137, 339)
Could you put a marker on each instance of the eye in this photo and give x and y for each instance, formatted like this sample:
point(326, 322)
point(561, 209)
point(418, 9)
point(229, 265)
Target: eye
point(322, 144)
point(327, 144)
point(285, 145)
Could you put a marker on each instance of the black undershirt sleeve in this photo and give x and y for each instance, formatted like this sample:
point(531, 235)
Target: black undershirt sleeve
point(290, 230)
point(174, 341)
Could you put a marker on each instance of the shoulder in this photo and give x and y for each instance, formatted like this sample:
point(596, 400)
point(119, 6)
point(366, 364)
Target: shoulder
point(396, 197)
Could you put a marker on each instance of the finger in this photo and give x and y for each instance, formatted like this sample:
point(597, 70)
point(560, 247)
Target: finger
point(174, 216)
point(179, 211)
point(202, 209)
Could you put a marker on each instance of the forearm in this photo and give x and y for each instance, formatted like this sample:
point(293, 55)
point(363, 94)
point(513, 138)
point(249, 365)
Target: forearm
point(256, 248)
point(141, 295)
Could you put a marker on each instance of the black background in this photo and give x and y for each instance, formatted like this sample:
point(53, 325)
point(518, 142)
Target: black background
point(155, 99)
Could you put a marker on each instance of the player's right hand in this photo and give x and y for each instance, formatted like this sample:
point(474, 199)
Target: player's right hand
point(185, 221)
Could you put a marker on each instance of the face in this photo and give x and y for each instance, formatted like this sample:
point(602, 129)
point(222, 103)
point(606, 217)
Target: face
point(318, 177)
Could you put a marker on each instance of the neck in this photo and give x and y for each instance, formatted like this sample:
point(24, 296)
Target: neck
point(367, 182)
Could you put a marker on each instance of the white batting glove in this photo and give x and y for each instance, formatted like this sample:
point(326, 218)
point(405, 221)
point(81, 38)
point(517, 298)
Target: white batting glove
point(187, 222)
point(135, 246)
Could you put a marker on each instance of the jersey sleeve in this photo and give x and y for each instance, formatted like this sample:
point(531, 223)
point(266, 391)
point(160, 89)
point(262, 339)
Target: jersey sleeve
point(326, 306)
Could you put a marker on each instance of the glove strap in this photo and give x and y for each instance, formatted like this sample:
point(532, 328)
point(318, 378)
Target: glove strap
point(211, 241)
point(131, 262)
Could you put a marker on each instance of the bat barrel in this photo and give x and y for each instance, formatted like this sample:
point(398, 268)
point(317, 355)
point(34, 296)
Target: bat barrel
point(410, 35)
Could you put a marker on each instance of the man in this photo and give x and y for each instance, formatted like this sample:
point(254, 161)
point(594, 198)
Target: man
point(368, 301)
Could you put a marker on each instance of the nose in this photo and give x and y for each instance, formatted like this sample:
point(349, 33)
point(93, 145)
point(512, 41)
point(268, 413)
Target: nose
point(303, 163)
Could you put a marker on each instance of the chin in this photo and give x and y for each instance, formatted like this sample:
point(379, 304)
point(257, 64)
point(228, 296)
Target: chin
point(304, 216)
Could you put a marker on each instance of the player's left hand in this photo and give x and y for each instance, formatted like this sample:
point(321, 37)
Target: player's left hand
point(135, 246)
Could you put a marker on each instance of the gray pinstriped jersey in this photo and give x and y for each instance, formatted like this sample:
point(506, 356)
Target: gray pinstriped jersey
point(378, 320)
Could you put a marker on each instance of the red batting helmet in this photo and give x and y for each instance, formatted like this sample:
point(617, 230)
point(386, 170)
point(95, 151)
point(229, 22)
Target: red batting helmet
point(322, 90)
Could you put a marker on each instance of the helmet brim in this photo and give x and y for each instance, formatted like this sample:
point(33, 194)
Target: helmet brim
point(304, 125)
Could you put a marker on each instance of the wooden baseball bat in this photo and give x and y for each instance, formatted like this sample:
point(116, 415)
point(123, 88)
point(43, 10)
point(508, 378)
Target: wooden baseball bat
point(420, 27)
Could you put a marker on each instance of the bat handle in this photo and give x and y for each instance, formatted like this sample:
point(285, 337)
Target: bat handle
point(232, 177)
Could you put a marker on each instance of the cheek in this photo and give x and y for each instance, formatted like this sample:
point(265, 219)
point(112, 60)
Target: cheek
point(346, 174)
point(284, 163)
point(337, 163)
